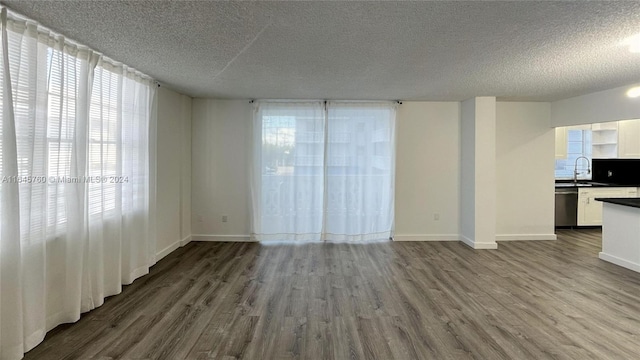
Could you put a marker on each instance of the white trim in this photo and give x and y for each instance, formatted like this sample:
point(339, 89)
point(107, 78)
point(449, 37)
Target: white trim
point(427, 237)
point(478, 245)
point(166, 251)
point(518, 237)
point(171, 248)
point(619, 261)
point(218, 237)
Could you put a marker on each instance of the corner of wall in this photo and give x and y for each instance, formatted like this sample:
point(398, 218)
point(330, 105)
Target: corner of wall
point(173, 164)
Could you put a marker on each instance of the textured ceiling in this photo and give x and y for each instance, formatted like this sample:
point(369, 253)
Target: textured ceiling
point(436, 50)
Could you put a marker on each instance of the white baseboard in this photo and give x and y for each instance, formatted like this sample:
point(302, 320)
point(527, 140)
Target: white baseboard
point(426, 237)
point(619, 261)
point(166, 251)
point(171, 248)
point(525, 237)
point(225, 238)
point(478, 245)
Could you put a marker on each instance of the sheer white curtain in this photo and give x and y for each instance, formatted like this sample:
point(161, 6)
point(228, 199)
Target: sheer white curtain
point(74, 182)
point(323, 171)
point(287, 174)
point(360, 171)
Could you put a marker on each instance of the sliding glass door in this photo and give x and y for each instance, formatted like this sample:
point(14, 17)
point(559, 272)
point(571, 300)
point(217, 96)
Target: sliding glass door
point(323, 171)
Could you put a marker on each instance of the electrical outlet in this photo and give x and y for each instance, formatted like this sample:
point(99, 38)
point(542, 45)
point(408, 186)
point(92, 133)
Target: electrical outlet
point(224, 218)
point(436, 216)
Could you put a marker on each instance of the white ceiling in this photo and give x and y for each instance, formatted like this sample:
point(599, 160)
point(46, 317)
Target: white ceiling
point(436, 50)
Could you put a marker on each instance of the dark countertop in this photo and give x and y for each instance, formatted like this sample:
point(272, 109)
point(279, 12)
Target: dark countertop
point(588, 183)
point(632, 202)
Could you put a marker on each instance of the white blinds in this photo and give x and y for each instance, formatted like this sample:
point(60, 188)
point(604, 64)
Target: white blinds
point(74, 182)
point(104, 136)
point(62, 85)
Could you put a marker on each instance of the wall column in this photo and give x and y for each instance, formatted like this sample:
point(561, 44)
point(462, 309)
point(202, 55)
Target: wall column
point(478, 173)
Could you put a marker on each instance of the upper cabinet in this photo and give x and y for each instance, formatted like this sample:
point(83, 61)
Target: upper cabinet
point(561, 143)
point(628, 139)
point(616, 139)
point(605, 140)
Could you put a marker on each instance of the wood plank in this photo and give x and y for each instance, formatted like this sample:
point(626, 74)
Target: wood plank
point(383, 300)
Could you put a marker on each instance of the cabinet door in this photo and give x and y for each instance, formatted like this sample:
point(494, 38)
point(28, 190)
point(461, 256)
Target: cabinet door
point(593, 212)
point(590, 210)
point(561, 142)
point(629, 138)
point(584, 200)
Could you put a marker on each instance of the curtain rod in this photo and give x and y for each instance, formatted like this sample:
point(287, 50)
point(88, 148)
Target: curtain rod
point(399, 102)
point(17, 17)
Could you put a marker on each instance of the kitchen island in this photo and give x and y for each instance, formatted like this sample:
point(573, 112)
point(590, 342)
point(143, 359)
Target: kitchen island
point(621, 232)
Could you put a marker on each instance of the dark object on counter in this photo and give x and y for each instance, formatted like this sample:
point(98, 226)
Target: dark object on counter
point(616, 171)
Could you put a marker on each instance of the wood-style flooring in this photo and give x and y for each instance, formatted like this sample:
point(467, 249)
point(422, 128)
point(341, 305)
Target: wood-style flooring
point(388, 300)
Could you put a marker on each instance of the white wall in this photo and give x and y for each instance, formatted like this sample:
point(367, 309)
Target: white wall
point(525, 171)
point(428, 171)
point(220, 178)
point(173, 173)
point(602, 106)
point(427, 176)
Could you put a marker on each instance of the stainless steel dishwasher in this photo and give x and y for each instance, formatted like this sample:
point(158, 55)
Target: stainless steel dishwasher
point(567, 206)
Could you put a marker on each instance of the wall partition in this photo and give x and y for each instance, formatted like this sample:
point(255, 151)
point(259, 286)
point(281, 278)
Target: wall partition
point(323, 171)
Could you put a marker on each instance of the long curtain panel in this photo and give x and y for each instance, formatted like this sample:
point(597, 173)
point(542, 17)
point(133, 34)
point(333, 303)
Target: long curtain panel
point(360, 171)
point(74, 182)
point(287, 175)
point(323, 171)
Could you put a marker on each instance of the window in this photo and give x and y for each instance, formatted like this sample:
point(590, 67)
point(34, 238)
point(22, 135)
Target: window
point(326, 173)
point(579, 143)
point(46, 116)
point(62, 92)
point(104, 137)
point(68, 113)
point(289, 158)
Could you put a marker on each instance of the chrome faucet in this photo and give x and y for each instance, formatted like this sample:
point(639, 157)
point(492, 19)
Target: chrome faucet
point(575, 168)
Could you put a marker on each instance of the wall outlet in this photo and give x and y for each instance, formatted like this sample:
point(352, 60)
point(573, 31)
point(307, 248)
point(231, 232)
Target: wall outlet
point(224, 218)
point(436, 216)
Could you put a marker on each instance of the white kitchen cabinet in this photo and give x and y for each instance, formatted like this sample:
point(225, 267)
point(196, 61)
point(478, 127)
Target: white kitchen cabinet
point(605, 140)
point(561, 142)
point(629, 139)
point(590, 210)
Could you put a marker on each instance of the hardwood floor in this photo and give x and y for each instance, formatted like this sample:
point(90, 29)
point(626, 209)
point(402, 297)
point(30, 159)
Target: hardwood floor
point(402, 300)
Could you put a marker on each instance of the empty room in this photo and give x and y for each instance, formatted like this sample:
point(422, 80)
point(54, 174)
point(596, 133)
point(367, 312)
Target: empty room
point(319, 180)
